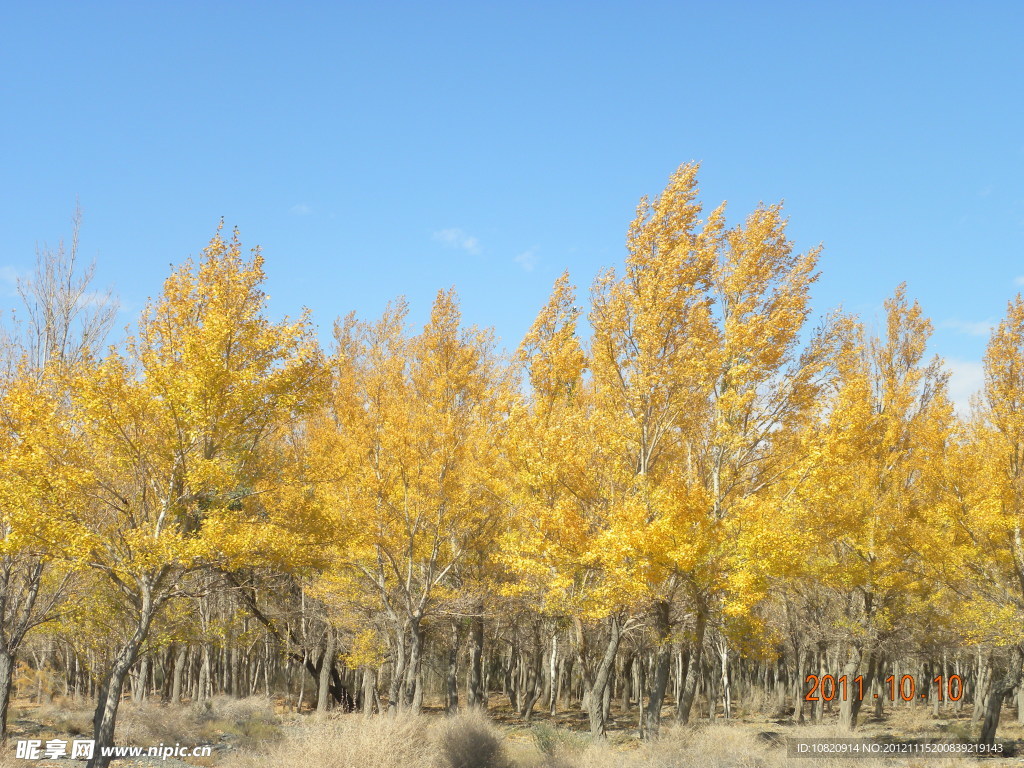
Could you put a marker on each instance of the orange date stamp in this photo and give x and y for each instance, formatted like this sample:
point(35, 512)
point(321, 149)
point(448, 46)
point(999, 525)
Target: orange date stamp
point(830, 688)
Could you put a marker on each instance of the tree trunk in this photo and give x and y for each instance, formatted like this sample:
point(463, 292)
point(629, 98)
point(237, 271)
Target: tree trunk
point(413, 694)
point(626, 691)
point(876, 684)
point(475, 693)
point(369, 690)
point(995, 697)
point(534, 672)
point(397, 672)
point(139, 694)
point(847, 711)
point(323, 691)
point(640, 685)
point(510, 677)
point(606, 700)
point(204, 686)
point(109, 698)
point(236, 672)
point(821, 669)
point(301, 697)
point(565, 682)
point(556, 675)
point(179, 668)
point(595, 699)
point(6, 681)
point(658, 680)
point(983, 679)
point(798, 697)
point(723, 651)
point(452, 678)
point(692, 669)
point(711, 681)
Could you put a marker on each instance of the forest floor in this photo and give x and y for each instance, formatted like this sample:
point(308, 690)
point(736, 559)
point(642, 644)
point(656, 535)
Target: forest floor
point(257, 733)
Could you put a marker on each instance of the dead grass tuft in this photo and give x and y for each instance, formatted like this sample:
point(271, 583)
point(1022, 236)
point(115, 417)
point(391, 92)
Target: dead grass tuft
point(470, 740)
point(150, 723)
point(554, 742)
point(64, 717)
point(247, 723)
point(377, 742)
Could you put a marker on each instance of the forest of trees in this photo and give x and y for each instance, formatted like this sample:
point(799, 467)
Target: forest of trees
point(681, 509)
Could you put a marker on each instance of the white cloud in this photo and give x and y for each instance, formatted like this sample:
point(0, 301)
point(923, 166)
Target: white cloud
point(527, 259)
point(966, 378)
point(300, 209)
point(9, 281)
point(971, 328)
point(456, 238)
point(1018, 280)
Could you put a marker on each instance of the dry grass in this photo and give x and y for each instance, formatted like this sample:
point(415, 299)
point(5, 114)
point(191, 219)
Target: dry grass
point(247, 733)
point(471, 741)
point(349, 742)
point(466, 741)
point(153, 723)
point(735, 745)
point(246, 723)
point(62, 717)
point(224, 723)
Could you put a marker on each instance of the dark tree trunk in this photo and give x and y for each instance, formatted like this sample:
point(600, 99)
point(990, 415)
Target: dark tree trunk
point(847, 711)
point(6, 682)
point(692, 669)
point(475, 697)
point(179, 668)
point(658, 680)
point(397, 673)
point(110, 692)
point(595, 698)
point(452, 678)
point(323, 694)
point(535, 670)
point(568, 664)
point(510, 677)
point(996, 695)
point(798, 697)
point(626, 691)
point(139, 694)
point(412, 695)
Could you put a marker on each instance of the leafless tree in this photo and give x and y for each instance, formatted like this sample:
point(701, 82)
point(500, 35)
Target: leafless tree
point(64, 316)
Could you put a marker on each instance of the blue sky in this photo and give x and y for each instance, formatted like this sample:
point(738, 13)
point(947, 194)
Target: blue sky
point(382, 149)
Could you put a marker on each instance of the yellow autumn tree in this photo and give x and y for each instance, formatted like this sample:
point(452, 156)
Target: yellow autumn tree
point(182, 446)
point(411, 464)
point(766, 373)
point(982, 517)
point(702, 369)
point(654, 354)
point(877, 450)
point(60, 322)
point(699, 379)
point(38, 484)
point(555, 547)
